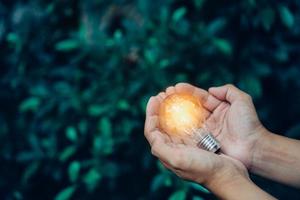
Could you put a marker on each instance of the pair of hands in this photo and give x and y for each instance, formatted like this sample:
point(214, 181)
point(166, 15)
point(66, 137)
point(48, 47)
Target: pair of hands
point(231, 118)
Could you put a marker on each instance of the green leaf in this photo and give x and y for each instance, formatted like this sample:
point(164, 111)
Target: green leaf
point(12, 38)
point(103, 143)
point(204, 77)
point(83, 127)
point(67, 153)
point(261, 69)
point(118, 35)
point(199, 187)
point(286, 16)
point(66, 193)
point(150, 56)
point(215, 26)
point(223, 46)
point(104, 127)
point(30, 171)
point(123, 105)
point(108, 146)
point(159, 181)
point(67, 45)
point(281, 55)
point(181, 78)
point(164, 63)
point(179, 14)
point(96, 110)
point(30, 104)
point(267, 18)
point(71, 133)
point(178, 195)
point(50, 8)
point(199, 3)
point(73, 170)
point(17, 195)
point(39, 90)
point(197, 198)
point(251, 3)
point(143, 102)
point(92, 178)
point(252, 85)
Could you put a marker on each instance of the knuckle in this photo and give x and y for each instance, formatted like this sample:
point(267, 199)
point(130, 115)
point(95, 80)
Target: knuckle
point(161, 94)
point(229, 85)
point(170, 88)
point(247, 97)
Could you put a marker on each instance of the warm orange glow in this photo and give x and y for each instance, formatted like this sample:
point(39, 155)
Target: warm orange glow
point(180, 113)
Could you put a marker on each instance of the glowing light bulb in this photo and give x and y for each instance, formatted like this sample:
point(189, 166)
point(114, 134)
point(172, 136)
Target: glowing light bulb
point(182, 115)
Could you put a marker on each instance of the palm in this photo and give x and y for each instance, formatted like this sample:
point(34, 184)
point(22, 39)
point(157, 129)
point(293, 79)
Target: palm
point(235, 126)
point(193, 163)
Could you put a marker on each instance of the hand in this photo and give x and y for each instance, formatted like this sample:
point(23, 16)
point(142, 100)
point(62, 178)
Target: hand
point(187, 161)
point(234, 122)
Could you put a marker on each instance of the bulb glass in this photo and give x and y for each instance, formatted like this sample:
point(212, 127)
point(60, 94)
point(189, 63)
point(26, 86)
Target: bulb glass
point(182, 115)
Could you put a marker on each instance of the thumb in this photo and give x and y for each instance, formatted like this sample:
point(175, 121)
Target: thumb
point(228, 93)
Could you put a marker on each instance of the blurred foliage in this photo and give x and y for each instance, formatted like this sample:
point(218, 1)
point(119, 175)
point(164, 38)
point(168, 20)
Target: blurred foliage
point(76, 77)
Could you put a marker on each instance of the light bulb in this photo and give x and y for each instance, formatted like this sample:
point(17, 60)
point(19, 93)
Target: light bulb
point(182, 115)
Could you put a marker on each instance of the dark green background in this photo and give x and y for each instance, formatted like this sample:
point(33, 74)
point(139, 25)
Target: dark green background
point(76, 77)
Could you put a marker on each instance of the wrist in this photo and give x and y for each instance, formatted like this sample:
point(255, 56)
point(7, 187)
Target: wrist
point(226, 175)
point(227, 187)
point(236, 188)
point(259, 147)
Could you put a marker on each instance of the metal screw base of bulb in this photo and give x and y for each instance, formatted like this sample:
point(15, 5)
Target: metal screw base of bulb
point(209, 143)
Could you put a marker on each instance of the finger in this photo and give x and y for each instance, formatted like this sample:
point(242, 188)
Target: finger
point(227, 92)
point(152, 119)
point(152, 106)
point(170, 90)
point(211, 103)
point(211, 125)
point(208, 101)
point(193, 90)
point(154, 136)
point(162, 95)
point(188, 158)
point(219, 113)
point(151, 123)
point(184, 88)
point(160, 149)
